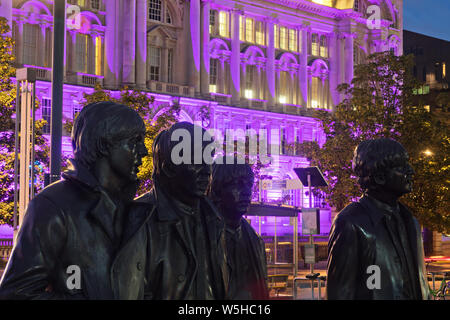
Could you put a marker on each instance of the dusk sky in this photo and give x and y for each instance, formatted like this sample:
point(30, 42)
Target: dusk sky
point(429, 17)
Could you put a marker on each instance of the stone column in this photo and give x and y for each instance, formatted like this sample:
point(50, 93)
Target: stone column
point(204, 44)
point(349, 58)
point(270, 62)
point(141, 44)
point(42, 48)
point(257, 84)
point(303, 71)
point(334, 67)
point(113, 54)
point(194, 45)
point(71, 53)
point(129, 42)
point(19, 42)
point(235, 60)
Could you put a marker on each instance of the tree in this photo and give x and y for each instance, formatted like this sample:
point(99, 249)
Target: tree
point(156, 119)
point(7, 128)
point(380, 103)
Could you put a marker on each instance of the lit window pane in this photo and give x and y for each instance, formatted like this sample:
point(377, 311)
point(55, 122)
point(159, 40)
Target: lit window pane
point(223, 24)
point(292, 40)
point(241, 29)
point(276, 37)
point(98, 56)
point(249, 30)
point(283, 38)
point(259, 33)
point(323, 47)
point(314, 44)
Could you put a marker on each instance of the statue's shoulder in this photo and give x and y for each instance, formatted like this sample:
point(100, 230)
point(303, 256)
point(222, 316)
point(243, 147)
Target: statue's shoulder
point(65, 192)
point(353, 213)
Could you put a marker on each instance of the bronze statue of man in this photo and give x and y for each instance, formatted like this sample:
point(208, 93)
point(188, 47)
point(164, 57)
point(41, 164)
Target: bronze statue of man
point(83, 237)
point(375, 249)
point(231, 190)
point(187, 249)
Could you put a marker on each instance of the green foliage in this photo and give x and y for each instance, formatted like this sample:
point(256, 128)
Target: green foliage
point(156, 119)
point(7, 128)
point(380, 103)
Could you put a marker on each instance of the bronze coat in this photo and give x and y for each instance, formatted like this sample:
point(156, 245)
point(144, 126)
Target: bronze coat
point(172, 266)
point(70, 223)
point(358, 239)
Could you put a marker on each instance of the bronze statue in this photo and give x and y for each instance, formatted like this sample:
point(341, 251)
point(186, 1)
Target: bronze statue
point(231, 190)
point(375, 249)
point(82, 237)
point(187, 253)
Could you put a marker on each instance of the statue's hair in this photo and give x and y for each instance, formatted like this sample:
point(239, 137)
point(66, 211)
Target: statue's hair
point(163, 146)
point(376, 156)
point(99, 126)
point(224, 171)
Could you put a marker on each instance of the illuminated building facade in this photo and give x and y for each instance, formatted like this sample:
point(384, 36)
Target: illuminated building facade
point(255, 64)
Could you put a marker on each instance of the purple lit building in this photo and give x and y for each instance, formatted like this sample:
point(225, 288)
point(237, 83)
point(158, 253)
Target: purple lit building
point(255, 64)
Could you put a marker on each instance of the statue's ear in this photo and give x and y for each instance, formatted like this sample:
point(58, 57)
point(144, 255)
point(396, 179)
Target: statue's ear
point(103, 147)
point(168, 170)
point(379, 178)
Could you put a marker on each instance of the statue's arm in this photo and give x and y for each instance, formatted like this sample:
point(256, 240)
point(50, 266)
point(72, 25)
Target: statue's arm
point(31, 266)
point(342, 261)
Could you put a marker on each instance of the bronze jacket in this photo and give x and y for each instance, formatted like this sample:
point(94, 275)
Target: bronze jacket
point(358, 239)
point(70, 223)
point(172, 265)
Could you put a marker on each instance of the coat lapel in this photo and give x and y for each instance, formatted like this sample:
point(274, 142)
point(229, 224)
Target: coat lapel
point(103, 213)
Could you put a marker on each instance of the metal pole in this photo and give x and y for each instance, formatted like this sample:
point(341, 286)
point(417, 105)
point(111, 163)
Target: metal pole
point(33, 129)
point(16, 153)
point(59, 30)
point(311, 240)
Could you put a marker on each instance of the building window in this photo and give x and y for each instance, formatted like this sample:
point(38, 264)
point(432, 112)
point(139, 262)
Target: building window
point(314, 44)
point(356, 6)
point(169, 65)
point(168, 17)
point(424, 73)
point(275, 36)
point(46, 104)
point(81, 52)
point(213, 75)
point(323, 47)
point(154, 10)
point(98, 56)
point(249, 29)
point(260, 33)
point(223, 24)
point(155, 62)
point(249, 79)
point(298, 140)
point(212, 21)
point(95, 4)
point(444, 70)
point(292, 40)
point(241, 28)
point(283, 141)
point(29, 44)
point(315, 98)
point(81, 3)
point(283, 38)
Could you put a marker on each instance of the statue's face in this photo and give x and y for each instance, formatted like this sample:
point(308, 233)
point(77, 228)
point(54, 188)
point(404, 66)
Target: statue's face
point(192, 179)
point(235, 196)
point(399, 178)
point(126, 157)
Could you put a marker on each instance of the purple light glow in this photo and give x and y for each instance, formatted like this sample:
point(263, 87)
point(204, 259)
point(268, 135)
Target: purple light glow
point(195, 32)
